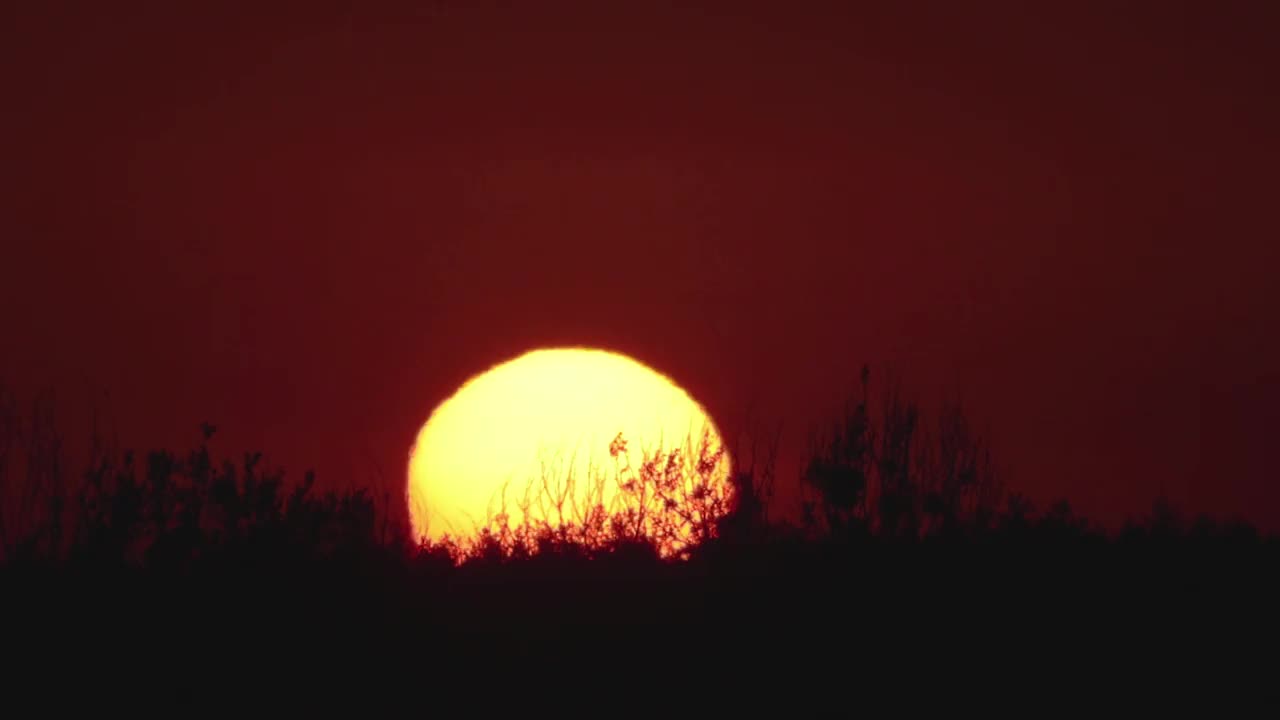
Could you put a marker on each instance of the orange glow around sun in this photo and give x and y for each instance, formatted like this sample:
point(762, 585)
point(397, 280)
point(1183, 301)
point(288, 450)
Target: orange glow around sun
point(581, 444)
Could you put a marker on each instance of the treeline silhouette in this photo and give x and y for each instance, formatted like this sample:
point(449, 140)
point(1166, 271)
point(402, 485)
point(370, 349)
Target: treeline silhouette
point(907, 543)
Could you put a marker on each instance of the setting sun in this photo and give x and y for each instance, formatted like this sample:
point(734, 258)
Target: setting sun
point(569, 440)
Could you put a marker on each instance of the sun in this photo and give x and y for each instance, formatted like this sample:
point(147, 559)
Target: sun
point(587, 443)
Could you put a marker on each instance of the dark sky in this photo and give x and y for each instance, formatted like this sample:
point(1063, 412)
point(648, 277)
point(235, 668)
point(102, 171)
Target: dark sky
point(309, 223)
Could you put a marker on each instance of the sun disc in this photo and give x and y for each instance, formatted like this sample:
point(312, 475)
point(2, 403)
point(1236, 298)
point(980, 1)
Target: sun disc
point(555, 435)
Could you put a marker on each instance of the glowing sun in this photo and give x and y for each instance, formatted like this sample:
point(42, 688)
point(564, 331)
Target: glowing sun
point(586, 443)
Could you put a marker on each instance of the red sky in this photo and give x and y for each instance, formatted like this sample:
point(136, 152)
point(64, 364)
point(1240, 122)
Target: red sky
point(308, 224)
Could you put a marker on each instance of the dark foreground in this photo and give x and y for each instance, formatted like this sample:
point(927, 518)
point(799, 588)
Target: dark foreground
point(825, 616)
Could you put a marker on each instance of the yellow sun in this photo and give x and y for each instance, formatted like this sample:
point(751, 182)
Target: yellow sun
point(586, 443)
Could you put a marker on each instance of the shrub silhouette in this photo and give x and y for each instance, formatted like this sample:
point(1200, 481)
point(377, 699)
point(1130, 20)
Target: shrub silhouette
point(899, 478)
point(672, 499)
point(911, 548)
point(888, 473)
point(170, 511)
